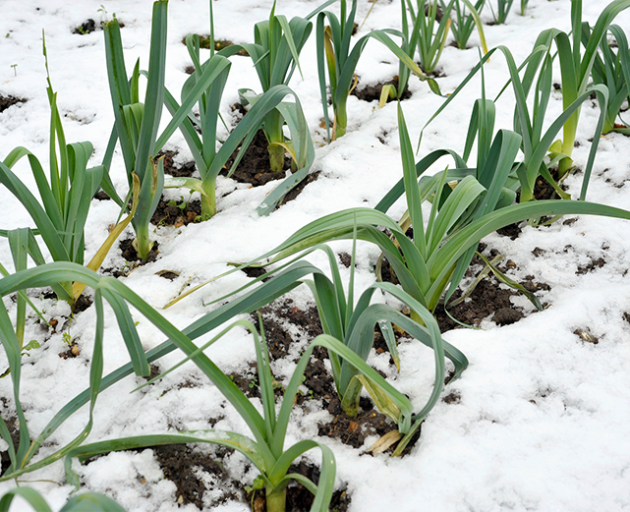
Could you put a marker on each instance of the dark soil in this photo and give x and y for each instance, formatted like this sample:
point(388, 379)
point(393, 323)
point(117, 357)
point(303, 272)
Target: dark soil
point(176, 213)
point(71, 352)
point(101, 195)
point(179, 464)
point(598, 263)
point(255, 168)
point(8, 101)
point(487, 299)
point(90, 26)
point(373, 92)
point(82, 303)
point(87, 27)
point(184, 171)
point(130, 254)
point(299, 499)
point(542, 191)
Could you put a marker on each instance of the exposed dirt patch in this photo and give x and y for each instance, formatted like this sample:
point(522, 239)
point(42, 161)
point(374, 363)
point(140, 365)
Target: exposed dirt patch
point(373, 92)
point(598, 263)
point(487, 299)
point(8, 101)
point(86, 27)
point(255, 168)
point(452, 398)
point(101, 195)
point(71, 352)
point(353, 431)
point(542, 191)
point(89, 26)
point(130, 254)
point(82, 303)
point(176, 212)
point(184, 171)
point(181, 465)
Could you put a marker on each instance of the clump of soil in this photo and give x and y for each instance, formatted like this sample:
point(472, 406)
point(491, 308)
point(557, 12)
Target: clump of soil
point(71, 352)
point(87, 27)
point(353, 431)
point(487, 299)
point(598, 263)
point(129, 253)
point(176, 213)
point(184, 171)
point(8, 101)
point(180, 465)
point(255, 168)
point(542, 191)
point(373, 92)
point(90, 26)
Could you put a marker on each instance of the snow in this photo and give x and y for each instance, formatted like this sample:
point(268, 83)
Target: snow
point(542, 423)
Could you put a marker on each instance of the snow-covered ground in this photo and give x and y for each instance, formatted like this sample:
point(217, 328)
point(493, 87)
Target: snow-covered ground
point(542, 423)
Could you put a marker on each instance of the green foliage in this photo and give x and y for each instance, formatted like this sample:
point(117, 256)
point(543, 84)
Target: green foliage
point(503, 9)
point(612, 69)
point(333, 43)
point(203, 147)
point(65, 196)
point(136, 123)
point(275, 54)
point(426, 265)
point(465, 21)
point(108, 288)
point(266, 451)
point(575, 69)
point(430, 29)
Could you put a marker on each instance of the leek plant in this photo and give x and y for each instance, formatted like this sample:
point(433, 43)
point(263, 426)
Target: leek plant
point(464, 22)
point(353, 326)
point(430, 31)
point(136, 123)
point(540, 152)
point(575, 67)
point(266, 451)
point(426, 265)
point(333, 52)
point(275, 54)
point(203, 145)
point(503, 9)
point(92, 501)
point(65, 197)
point(612, 70)
point(524, 6)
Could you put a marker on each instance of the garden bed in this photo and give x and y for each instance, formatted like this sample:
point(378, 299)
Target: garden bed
point(538, 421)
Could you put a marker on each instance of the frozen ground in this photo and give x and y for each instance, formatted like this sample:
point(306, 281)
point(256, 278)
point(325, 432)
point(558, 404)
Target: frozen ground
point(542, 423)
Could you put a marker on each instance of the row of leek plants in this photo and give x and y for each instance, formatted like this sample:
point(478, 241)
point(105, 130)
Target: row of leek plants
point(427, 266)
